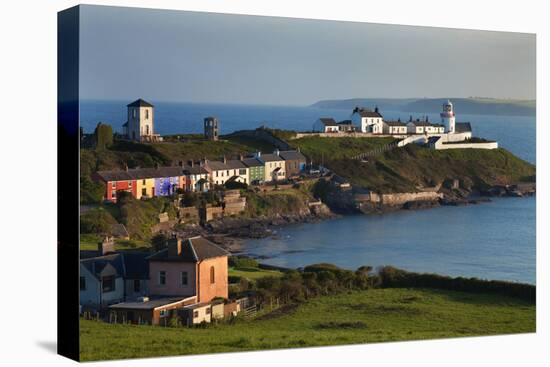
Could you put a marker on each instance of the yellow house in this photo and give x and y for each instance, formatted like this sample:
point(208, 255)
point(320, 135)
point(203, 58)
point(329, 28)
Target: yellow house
point(145, 182)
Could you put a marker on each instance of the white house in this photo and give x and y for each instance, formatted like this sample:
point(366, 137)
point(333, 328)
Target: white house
point(274, 166)
point(326, 125)
point(368, 120)
point(140, 124)
point(196, 178)
point(395, 128)
point(424, 127)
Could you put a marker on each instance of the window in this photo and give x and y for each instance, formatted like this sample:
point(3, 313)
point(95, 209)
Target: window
point(242, 171)
point(143, 182)
point(137, 286)
point(228, 172)
point(146, 114)
point(144, 192)
point(212, 275)
point(82, 283)
point(208, 310)
point(163, 313)
point(113, 184)
point(113, 194)
point(184, 278)
point(134, 113)
point(195, 314)
point(129, 183)
point(162, 277)
point(108, 283)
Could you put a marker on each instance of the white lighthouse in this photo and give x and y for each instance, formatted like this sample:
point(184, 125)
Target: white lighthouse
point(448, 117)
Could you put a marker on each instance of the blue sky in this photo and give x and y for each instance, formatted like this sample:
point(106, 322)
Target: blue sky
point(163, 55)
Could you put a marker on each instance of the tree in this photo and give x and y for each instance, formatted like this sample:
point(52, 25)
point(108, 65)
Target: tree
point(103, 136)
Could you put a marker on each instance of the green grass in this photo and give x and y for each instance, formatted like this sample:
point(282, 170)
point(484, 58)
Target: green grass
point(404, 169)
point(251, 273)
point(318, 148)
point(89, 242)
point(372, 316)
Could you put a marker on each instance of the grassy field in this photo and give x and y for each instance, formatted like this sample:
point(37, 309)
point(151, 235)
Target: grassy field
point(252, 273)
point(378, 315)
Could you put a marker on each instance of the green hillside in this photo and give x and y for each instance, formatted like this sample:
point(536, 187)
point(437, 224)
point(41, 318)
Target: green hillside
point(378, 315)
point(403, 169)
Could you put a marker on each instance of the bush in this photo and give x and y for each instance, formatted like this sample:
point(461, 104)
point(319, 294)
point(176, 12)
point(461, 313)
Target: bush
point(103, 136)
point(91, 192)
point(241, 261)
point(97, 221)
point(392, 277)
point(235, 185)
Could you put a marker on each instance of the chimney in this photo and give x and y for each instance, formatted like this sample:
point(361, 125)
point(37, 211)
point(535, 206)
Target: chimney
point(258, 154)
point(106, 246)
point(126, 167)
point(276, 151)
point(192, 163)
point(298, 149)
point(410, 118)
point(174, 247)
point(376, 109)
point(224, 160)
point(157, 166)
point(241, 157)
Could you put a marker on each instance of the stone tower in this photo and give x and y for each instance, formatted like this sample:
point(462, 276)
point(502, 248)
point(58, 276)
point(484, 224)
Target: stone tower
point(140, 121)
point(211, 128)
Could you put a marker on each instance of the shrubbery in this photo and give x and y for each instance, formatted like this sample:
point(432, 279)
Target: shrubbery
point(391, 277)
point(242, 262)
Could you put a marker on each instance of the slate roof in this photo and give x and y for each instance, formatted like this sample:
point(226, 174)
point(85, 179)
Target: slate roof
point(271, 157)
point(140, 173)
point(345, 122)
point(328, 121)
point(195, 170)
point(192, 250)
point(364, 112)
point(148, 305)
point(96, 265)
point(395, 123)
point(217, 165)
point(136, 265)
point(129, 265)
point(235, 164)
point(140, 103)
point(463, 127)
point(252, 162)
point(292, 155)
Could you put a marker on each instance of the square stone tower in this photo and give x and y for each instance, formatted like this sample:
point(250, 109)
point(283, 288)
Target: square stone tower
point(139, 126)
point(211, 128)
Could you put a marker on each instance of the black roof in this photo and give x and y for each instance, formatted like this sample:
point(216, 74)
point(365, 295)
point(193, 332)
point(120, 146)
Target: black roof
point(192, 250)
point(463, 127)
point(141, 173)
point(140, 103)
point(364, 112)
point(233, 164)
point(129, 265)
point(345, 122)
point(394, 123)
point(289, 155)
point(271, 157)
point(195, 170)
point(252, 162)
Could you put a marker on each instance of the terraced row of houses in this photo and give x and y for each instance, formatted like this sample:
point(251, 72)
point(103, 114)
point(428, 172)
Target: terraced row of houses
point(203, 175)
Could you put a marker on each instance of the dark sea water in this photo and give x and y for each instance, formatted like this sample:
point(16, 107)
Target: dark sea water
point(493, 241)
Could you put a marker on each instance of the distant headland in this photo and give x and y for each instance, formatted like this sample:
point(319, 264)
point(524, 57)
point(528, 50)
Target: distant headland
point(471, 105)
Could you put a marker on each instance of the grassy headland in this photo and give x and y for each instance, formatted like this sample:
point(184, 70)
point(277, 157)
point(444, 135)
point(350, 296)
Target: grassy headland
point(377, 315)
point(404, 169)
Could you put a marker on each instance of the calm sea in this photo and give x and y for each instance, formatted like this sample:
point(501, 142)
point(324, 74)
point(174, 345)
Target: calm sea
point(491, 241)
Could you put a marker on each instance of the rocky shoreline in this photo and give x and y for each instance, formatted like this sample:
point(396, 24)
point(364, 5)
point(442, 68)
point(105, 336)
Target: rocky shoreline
point(230, 232)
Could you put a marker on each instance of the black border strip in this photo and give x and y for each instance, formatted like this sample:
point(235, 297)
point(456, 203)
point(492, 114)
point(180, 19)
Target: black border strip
point(68, 147)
